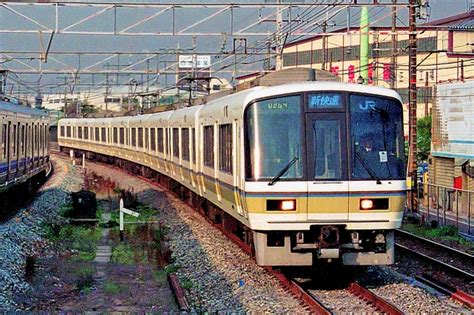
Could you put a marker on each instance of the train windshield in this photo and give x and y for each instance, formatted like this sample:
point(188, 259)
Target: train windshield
point(274, 142)
point(377, 138)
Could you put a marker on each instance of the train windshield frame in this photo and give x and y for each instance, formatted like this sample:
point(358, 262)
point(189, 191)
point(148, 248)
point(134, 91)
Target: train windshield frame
point(376, 130)
point(282, 135)
point(273, 138)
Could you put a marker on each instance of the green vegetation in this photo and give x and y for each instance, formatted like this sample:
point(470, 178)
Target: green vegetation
point(112, 288)
point(423, 140)
point(445, 233)
point(186, 283)
point(83, 271)
point(123, 254)
point(82, 240)
point(65, 210)
point(160, 276)
point(84, 274)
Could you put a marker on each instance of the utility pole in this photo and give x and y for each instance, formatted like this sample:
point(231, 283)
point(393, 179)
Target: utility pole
point(364, 45)
point(426, 93)
point(106, 99)
point(279, 38)
point(412, 98)
point(393, 61)
point(324, 55)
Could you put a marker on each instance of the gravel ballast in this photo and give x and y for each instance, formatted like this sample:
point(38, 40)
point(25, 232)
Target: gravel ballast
point(218, 275)
point(21, 236)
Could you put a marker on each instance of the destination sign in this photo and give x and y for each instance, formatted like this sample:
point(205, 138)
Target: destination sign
point(325, 101)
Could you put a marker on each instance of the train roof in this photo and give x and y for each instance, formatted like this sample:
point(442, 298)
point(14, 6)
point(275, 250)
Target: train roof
point(238, 101)
point(10, 107)
point(263, 92)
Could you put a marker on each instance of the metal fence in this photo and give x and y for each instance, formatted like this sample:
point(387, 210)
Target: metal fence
point(447, 205)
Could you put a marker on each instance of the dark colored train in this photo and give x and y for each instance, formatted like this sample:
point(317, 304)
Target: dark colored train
point(24, 144)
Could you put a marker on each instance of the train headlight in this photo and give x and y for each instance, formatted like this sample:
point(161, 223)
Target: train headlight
point(366, 204)
point(288, 204)
point(374, 204)
point(281, 205)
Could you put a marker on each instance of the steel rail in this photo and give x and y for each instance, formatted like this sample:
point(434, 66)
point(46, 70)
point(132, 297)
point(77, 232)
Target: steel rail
point(372, 298)
point(178, 293)
point(456, 294)
point(437, 262)
point(434, 243)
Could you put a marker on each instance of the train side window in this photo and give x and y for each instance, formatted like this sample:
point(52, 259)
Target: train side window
point(160, 140)
point(32, 139)
point(97, 135)
point(22, 140)
point(193, 139)
point(122, 135)
point(134, 137)
point(153, 139)
point(37, 138)
point(103, 135)
point(225, 148)
point(61, 131)
point(42, 136)
point(86, 133)
point(4, 141)
point(185, 143)
point(14, 140)
point(146, 138)
point(127, 136)
point(167, 142)
point(115, 135)
point(68, 131)
point(176, 142)
point(209, 146)
point(140, 137)
point(79, 132)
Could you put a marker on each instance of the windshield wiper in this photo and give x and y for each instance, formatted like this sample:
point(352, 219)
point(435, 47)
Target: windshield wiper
point(283, 171)
point(367, 168)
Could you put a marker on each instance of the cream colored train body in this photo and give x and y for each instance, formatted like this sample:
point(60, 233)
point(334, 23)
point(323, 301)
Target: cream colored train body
point(293, 164)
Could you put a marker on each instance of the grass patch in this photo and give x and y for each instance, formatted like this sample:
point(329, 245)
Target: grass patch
point(65, 210)
point(123, 254)
point(160, 276)
point(445, 233)
point(83, 271)
point(186, 283)
point(84, 277)
point(82, 240)
point(111, 288)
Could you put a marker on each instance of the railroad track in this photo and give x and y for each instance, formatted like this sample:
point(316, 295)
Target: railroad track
point(445, 257)
point(456, 294)
point(368, 301)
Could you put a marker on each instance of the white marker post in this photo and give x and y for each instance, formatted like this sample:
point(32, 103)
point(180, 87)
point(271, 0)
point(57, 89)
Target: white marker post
point(71, 154)
point(126, 211)
point(83, 160)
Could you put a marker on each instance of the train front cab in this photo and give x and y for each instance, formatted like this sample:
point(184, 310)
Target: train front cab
point(311, 191)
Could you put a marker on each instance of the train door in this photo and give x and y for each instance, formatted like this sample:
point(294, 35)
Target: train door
point(328, 198)
point(237, 170)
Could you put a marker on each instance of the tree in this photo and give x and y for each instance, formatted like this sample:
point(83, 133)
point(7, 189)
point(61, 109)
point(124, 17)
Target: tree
point(423, 140)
